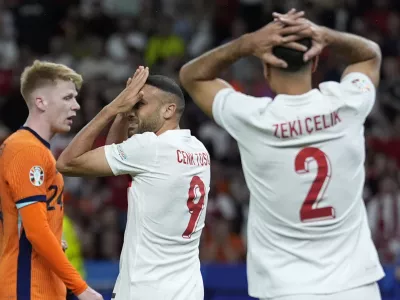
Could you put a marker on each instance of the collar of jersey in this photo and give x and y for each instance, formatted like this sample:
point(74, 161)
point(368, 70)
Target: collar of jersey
point(183, 132)
point(293, 99)
point(42, 140)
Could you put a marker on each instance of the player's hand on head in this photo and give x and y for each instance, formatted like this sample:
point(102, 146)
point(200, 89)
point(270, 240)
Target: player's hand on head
point(90, 294)
point(313, 31)
point(278, 34)
point(132, 94)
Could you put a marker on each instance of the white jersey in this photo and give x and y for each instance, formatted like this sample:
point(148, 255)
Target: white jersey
point(166, 213)
point(303, 160)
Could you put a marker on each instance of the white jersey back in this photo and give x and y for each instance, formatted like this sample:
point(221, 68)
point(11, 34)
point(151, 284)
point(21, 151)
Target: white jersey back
point(303, 160)
point(166, 213)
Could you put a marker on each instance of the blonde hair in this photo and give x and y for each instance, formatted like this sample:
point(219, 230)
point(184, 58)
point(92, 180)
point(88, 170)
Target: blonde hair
point(43, 72)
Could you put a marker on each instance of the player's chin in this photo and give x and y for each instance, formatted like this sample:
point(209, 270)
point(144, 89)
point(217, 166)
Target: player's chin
point(131, 132)
point(65, 128)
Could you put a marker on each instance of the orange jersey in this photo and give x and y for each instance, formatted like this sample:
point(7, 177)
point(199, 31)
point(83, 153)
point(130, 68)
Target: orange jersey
point(31, 205)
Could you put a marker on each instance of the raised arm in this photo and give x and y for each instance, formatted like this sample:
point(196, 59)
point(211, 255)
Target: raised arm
point(78, 159)
point(118, 131)
point(361, 54)
point(200, 76)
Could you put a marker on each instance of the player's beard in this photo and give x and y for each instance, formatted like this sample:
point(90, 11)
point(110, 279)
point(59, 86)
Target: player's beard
point(131, 132)
point(150, 124)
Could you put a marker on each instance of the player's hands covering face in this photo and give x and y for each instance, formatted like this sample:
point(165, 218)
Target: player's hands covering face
point(278, 34)
point(313, 31)
point(132, 94)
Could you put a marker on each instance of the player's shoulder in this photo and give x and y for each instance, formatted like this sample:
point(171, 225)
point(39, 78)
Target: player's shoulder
point(354, 83)
point(143, 139)
point(22, 144)
point(244, 101)
point(139, 142)
point(199, 144)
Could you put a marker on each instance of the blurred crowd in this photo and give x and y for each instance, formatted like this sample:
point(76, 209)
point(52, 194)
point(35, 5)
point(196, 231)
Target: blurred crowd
point(105, 40)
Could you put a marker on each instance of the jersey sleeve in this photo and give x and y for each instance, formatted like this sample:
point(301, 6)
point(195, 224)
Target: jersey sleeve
point(26, 174)
point(134, 156)
point(37, 231)
point(359, 93)
point(234, 111)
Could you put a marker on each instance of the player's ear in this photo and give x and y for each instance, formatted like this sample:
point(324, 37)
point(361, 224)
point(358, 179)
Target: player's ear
point(315, 64)
point(40, 103)
point(169, 110)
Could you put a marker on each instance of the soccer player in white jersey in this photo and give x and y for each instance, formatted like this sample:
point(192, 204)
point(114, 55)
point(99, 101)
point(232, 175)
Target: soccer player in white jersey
point(170, 172)
point(303, 158)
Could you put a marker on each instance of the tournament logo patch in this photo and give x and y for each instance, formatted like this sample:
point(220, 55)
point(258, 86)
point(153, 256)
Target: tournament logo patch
point(121, 152)
point(36, 175)
point(362, 85)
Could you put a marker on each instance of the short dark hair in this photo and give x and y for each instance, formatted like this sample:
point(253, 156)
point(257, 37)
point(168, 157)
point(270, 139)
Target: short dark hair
point(169, 86)
point(293, 58)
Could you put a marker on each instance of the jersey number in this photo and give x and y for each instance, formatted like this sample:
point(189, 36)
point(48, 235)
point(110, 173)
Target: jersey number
point(197, 190)
point(309, 211)
point(59, 198)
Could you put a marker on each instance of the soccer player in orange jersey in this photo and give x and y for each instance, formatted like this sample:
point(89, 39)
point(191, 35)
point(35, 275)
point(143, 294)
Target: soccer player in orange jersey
point(32, 263)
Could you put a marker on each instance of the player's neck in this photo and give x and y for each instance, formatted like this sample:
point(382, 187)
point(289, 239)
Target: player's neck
point(293, 84)
point(40, 127)
point(166, 127)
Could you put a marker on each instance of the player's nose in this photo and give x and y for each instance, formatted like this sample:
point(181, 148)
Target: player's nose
point(76, 106)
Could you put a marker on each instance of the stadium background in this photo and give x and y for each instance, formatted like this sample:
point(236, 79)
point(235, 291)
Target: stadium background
point(105, 40)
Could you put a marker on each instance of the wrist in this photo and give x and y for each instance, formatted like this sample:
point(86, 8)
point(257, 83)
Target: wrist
point(246, 44)
point(328, 35)
point(109, 112)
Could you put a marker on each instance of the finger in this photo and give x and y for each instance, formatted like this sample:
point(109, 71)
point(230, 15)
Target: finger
point(296, 46)
point(277, 15)
point(129, 81)
point(137, 97)
point(291, 21)
point(138, 71)
point(146, 73)
point(299, 15)
point(272, 60)
point(143, 76)
point(313, 52)
point(140, 80)
point(141, 73)
point(294, 29)
point(287, 21)
point(291, 12)
point(297, 36)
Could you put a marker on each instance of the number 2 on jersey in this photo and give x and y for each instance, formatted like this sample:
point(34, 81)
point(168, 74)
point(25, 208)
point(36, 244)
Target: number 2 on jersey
point(309, 211)
point(197, 190)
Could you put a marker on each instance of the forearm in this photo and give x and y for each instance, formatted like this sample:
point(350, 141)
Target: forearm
point(354, 48)
point(118, 131)
point(83, 141)
point(47, 246)
point(210, 64)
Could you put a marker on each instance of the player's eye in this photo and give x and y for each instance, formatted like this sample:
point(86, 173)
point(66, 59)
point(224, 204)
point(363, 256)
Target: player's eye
point(139, 104)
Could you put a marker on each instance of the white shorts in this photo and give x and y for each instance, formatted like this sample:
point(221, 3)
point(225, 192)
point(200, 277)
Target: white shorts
point(194, 291)
point(366, 292)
